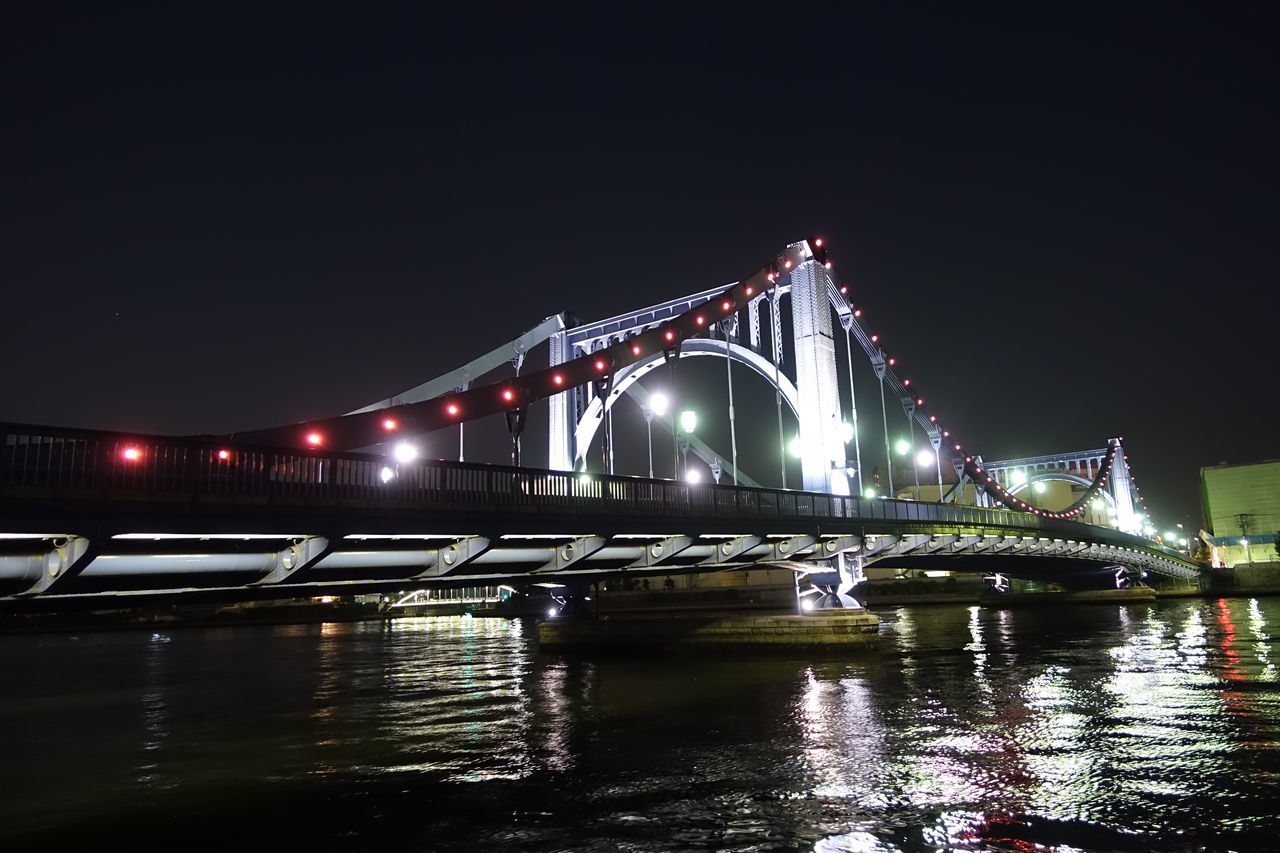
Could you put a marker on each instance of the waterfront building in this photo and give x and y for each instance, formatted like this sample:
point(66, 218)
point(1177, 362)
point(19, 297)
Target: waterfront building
point(1242, 512)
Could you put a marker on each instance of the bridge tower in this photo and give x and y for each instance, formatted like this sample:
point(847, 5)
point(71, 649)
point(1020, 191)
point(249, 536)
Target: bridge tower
point(822, 455)
point(1121, 488)
point(576, 413)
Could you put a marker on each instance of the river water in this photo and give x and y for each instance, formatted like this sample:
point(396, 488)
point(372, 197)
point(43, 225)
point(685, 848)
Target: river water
point(1088, 728)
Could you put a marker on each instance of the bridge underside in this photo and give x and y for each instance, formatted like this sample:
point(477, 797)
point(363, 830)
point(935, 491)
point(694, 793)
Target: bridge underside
point(1067, 572)
point(61, 556)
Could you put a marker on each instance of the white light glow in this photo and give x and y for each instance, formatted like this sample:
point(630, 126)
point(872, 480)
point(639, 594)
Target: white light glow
point(688, 421)
point(924, 458)
point(1018, 477)
point(386, 475)
point(658, 403)
point(693, 476)
point(405, 452)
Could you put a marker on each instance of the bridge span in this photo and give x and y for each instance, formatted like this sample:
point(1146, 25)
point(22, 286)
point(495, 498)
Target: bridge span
point(90, 515)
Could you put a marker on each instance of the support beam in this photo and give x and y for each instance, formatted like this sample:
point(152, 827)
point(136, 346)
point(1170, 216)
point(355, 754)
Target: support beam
point(730, 549)
point(572, 552)
point(296, 559)
point(447, 560)
point(657, 553)
point(65, 560)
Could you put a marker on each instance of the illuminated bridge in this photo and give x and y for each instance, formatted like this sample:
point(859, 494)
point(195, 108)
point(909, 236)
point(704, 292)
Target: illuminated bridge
point(345, 504)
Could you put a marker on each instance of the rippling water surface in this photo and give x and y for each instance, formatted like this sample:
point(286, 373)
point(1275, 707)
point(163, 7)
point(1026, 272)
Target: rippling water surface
point(1090, 728)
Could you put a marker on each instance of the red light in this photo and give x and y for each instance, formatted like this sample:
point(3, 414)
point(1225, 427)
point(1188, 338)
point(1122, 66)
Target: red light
point(892, 362)
point(600, 365)
point(699, 319)
point(875, 338)
point(224, 455)
point(751, 290)
point(390, 424)
point(844, 288)
point(508, 395)
point(787, 263)
point(933, 419)
point(726, 305)
point(919, 401)
point(827, 265)
point(818, 242)
point(669, 335)
point(906, 382)
point(315, 439)
point(769, 276)
point(635, 349)
point(131, 454)
point(452, 408)
point(857, 312)
point(557, 379)
point(946, 434)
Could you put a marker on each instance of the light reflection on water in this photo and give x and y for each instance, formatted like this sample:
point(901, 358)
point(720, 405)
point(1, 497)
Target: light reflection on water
point(1093, 728)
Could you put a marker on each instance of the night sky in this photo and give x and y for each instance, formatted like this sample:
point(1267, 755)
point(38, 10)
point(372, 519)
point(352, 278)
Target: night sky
point(1063, 223)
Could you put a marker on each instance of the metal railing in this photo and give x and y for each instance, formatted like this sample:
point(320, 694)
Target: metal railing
point(58, 462)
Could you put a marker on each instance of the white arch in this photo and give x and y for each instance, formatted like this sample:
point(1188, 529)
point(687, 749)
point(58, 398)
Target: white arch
point(1062, 476)
point(592, 416)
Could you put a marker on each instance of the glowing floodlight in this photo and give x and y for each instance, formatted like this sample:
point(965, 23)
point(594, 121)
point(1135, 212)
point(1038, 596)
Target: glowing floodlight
point(386, 475)
point(688, 421)
point(924, 458)
point(902, 446)
point(693, 477)
point(131, 454)
point(659, 404)
point(1039, 487)
point(1018, 478)
point(405, 452)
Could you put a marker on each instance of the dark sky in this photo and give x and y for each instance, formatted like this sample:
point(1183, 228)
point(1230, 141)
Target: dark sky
point(1063, 221)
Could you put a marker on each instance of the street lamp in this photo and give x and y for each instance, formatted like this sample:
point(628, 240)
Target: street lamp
point(657, 405)
point(688, 423)
point(902, 447)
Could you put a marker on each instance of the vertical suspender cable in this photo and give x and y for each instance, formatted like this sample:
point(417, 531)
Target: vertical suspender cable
point(733, 431)
point(853, 408)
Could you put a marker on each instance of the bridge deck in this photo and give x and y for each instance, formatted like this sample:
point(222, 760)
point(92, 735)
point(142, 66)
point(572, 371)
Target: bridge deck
point(89, 513)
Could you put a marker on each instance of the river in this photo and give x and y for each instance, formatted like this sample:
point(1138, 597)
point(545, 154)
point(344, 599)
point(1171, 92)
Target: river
point(1087, 728)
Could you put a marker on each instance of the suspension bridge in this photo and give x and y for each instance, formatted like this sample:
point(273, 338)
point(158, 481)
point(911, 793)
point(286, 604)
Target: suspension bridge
point(346, 503)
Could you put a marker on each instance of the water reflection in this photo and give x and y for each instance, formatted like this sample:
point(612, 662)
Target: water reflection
point(1129, 728)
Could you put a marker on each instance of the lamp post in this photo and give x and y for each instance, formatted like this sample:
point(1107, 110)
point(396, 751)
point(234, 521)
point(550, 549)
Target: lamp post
point(657, 405)
point(688, 423)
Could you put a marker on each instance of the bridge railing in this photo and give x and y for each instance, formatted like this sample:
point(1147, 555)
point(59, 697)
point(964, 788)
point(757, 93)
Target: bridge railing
point(59, 462)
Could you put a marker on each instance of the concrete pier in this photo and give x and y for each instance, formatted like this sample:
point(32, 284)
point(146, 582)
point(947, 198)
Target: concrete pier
point(821, 629)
